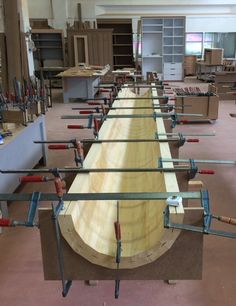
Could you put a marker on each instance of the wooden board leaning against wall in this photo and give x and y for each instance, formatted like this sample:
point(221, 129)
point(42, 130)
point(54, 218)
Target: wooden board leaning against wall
point(99, 46)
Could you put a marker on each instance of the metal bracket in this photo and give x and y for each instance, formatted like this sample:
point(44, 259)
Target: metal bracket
point(193, 171)
point(34, 203)
point(206, 226)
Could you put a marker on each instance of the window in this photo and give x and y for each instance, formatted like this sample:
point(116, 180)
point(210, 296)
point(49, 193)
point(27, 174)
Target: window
point(227, 41)
point(197, 42)
point(208, 40)
point(194, 44)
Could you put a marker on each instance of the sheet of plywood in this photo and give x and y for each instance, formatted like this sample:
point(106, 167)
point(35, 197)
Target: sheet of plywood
point(100, 50)
point(88, 226)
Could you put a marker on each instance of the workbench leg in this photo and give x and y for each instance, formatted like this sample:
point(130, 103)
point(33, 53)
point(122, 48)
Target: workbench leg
point(4, 209)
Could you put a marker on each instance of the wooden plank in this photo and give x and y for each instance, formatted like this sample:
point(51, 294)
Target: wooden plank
point(4, 70)
point(12, 32)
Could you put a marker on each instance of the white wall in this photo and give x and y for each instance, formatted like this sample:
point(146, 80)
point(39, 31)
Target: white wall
point(211, 24)
point(59, 12)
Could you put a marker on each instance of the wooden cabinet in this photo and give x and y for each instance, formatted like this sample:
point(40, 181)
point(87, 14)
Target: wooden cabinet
point(49, 45)
point(213, 56)
point(163, 46)
point(190, 62)
point(122, 41)
point(225, 83)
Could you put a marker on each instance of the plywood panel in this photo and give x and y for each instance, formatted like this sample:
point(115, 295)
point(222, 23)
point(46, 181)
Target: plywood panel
point(99, 46)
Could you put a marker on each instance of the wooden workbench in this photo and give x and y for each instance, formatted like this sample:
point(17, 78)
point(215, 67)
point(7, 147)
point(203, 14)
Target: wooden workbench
point(19, 152)
point(80, 82)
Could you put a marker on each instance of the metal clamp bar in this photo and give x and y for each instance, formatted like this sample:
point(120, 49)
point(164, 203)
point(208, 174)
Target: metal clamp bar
point(66, 284)
point(96, 170)
point(126, 116)
point(131, 196)
point(207, 217)
point(200, 161)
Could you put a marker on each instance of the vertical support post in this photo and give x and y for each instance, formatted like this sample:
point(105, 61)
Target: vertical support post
point(13, 41)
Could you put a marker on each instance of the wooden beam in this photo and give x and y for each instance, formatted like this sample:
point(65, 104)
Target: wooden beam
point(13, 41)
point(89, 229)
point(4, 70)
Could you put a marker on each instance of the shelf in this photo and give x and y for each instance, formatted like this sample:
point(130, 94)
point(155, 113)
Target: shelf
point(126, 65)
point(122, 41)
point(122, 45)
point(118, 34)
point(173, 27)
point(168, 48)
point(48, 47)
point(152, 56)
point(153, 25)
point(181, 54)
point(46, 39)
point(123, 55)
point(152, 32)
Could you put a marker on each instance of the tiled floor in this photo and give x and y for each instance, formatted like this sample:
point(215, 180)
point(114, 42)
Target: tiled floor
point(21, 281)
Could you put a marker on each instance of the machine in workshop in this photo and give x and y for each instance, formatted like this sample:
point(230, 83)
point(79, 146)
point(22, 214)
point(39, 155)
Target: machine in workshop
point(125, 216)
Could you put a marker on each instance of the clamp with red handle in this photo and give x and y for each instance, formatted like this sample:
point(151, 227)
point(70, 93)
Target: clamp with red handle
point(58, 181)
point(81, 127)
point(194, 170)
point(71, 144)
point(30, 221)
point(182, 140)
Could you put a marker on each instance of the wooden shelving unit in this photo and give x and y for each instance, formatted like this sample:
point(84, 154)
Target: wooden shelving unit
point(190, 64)
point(163, 45)
point(122, 41)
point(50, 52)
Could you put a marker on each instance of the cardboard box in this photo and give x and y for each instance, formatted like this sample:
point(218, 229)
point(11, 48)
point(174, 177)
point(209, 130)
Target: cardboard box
point(206, 105)
point(213, 56)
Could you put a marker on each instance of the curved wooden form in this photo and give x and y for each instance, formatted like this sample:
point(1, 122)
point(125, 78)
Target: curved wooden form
point(88, 226)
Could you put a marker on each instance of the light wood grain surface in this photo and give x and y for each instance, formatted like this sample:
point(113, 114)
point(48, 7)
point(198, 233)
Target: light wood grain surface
point(88, 226)
point(84, 72)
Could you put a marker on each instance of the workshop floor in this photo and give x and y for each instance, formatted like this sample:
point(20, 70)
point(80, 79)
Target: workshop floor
point(21, 281)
